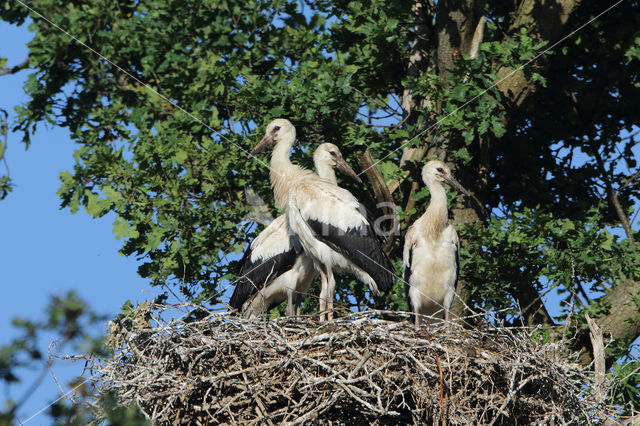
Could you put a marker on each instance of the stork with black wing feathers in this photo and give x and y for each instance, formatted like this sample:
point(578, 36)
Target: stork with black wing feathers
point(275, 268)
point(332, 226)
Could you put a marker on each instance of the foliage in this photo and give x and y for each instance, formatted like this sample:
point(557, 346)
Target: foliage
point(119, 415)
point(72, 323)
point(578, 259)
point(75, 329)
point(164, 125)
point(5, 179)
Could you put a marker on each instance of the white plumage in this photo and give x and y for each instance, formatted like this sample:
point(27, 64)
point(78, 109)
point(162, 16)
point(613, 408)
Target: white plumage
point(431, 250)
point(330, 223)
point(274, 267)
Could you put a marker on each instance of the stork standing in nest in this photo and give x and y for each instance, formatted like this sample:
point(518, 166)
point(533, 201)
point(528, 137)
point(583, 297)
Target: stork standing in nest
point(431, 257)
point(274, 268)
point(332, 225)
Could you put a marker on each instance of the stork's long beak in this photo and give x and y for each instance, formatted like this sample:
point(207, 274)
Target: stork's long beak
point(264, 142)
point(347, 170)
point(455, 184)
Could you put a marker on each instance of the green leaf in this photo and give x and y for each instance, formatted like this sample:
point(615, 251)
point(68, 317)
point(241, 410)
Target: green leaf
point(498, 128)
point(607, 243)
point(468, 136)
point(459, 93)
point(463, 154)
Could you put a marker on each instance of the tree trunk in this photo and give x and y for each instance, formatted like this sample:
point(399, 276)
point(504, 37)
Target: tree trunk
point(459, 26)
point(548, 18)
point(621, 322)
point(458, 31)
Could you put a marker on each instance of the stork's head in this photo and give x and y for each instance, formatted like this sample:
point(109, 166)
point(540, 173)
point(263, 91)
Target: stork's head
point(329, 154)
point(278, 130)
point(437, 171)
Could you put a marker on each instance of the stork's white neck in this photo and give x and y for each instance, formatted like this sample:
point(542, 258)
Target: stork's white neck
point(435, 219)
point(283, 172)
point(325, 171)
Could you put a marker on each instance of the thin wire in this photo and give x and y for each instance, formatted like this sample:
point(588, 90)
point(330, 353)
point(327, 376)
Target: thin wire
point(61, 396)
point(493, 85)
point(146, 85)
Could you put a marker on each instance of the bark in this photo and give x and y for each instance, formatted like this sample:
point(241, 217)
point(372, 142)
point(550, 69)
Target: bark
point(477, 38)
point(597, 342)
point(382, 195)
point(456, 23)
point(620, 322)
point(613, 196)
point(548, 19)
point(459, 29)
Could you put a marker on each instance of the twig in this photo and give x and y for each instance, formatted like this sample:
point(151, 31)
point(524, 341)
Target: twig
point(356, 369)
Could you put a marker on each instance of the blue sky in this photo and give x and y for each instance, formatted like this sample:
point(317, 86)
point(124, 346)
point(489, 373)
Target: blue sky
point(45, 250)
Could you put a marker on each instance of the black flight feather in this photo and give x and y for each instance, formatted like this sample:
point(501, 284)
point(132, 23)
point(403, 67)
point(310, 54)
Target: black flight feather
point(455, 283)
point(361, 247)
point(253, 276)
point(407, 276)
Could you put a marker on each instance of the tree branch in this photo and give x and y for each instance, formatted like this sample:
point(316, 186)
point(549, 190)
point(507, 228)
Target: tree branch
point(620, 322)
point(23, 65)
point(477, 38)
point(382, 193)
point(613, 196)
point(595, 335)
point(533, 309)
point(547, 19)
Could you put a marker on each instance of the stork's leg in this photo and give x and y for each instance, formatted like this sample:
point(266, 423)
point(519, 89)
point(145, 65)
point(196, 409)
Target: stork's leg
point(417, 321)
point(298, 298)
point(331, 293)
point(448, 300)
point(289, 303)
point(324, 288)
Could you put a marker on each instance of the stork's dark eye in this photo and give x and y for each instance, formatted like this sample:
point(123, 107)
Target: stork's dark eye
point(275, 129)
point(332, 153)
point(440, 169)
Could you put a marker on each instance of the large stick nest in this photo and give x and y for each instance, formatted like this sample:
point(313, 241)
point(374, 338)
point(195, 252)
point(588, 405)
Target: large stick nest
point(356, 369)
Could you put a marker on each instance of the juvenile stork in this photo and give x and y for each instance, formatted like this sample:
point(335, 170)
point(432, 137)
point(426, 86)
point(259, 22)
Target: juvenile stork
point(274, 268)
point(332, 226)
point(431, 250)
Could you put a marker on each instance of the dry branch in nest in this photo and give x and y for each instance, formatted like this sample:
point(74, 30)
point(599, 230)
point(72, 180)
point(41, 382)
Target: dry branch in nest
point(224, 369)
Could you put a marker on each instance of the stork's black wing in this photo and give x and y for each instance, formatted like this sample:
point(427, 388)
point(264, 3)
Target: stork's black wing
point(253, 276)
point(272, 253)
point(406, 277)
point(361, 246)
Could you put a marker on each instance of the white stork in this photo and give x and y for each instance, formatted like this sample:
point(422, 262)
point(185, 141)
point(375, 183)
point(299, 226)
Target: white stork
point(274, 268)
point(332, 225)
point(431, 250)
